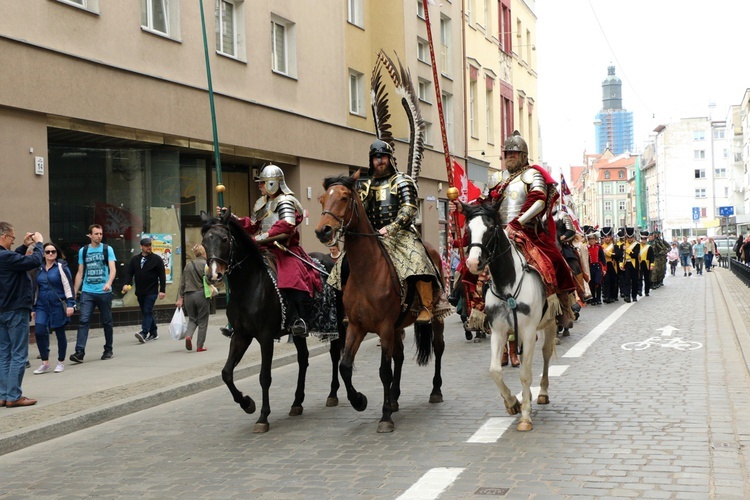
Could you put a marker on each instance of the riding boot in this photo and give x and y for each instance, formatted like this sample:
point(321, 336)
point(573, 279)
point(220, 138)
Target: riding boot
point(424, 288)
point(513, 351)
point(567, 317)
point(227, 331)
point(504, 361)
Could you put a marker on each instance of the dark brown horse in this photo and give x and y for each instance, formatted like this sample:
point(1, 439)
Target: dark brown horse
point(372, 299)
point(255, 311)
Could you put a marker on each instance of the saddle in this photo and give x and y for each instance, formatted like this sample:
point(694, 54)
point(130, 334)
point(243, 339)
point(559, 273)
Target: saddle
point(535, 259)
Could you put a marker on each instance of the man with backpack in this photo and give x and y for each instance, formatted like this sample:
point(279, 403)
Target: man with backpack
point(96, 272)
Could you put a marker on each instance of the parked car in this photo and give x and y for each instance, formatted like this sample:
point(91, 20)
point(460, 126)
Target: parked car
point(724, 245)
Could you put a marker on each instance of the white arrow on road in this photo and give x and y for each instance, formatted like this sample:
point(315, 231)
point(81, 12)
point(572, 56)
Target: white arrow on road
point(668, 330)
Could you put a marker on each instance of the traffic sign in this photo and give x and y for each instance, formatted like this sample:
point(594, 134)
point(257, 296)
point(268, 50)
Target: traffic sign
point(726, 211)
point(696, 213)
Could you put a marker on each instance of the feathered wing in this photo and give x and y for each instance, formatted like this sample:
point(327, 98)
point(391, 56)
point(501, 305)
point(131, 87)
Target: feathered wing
point(379, 103)
point(401, 77)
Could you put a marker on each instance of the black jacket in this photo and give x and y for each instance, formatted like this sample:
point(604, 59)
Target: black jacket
point(149, 279)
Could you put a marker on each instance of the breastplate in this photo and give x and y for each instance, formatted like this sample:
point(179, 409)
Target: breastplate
point(513, 199)
point(381, 204)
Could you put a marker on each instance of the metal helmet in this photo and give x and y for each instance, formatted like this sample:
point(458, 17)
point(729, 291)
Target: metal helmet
point(273, 176)
point(515, 142)
point(379, 147)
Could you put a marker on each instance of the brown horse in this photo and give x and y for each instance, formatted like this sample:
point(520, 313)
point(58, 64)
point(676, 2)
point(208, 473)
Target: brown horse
point(372, 299)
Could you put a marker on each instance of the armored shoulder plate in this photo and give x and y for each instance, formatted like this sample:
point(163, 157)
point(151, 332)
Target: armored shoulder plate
point(363, 188)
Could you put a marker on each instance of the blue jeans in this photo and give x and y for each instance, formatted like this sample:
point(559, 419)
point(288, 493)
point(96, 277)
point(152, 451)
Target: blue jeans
point(148, 325)
point(104, 302)
point(42, 334)
point(14, 351)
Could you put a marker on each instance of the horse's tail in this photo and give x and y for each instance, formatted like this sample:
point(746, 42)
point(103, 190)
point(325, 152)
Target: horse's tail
point(423, 339)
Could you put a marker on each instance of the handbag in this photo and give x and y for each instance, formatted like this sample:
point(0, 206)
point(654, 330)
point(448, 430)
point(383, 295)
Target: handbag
point(208, 289)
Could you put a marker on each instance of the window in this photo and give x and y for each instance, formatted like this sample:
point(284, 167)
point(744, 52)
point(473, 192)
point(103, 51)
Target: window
point(621, 174)
point(505, 27)
point(699, 154)
point(89, 5)
point(737, 157)
point(725, 153)
point(621, 188)
point(420, 9)
point(470, 12)
point(356, 93)
point(718, 133)
point(606, 174)
point(161, 17)
point(700, 173)
point(608, 206)
point(423, 90)
point(428, 133)
point(703, 212)
point(608, 188)
point(621, 205)
point(720, 173)
point(445, 45)
point(355, 13)
point(473, 108)
point(230, 28)
point(283, 46)
point(489, 113)
point(726, 192)
point(699, 135)
point(423, 51)
point(448, 117)
point(700, 193)
point(486, 14)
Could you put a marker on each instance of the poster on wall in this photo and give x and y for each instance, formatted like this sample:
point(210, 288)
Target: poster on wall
point(161, 245)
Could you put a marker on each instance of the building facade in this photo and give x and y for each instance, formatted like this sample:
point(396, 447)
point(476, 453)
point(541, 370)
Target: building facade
point(613, 125)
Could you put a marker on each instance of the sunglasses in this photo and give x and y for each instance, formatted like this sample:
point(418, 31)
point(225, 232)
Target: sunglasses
point(50, 252)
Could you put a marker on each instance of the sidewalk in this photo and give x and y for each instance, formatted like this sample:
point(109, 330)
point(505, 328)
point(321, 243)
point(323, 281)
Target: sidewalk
point(139, 376)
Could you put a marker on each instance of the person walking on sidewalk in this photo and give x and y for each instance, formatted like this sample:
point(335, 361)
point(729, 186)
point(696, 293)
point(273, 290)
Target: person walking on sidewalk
point(192, 295)
point(686, 253)
point(699, 252)
point(148, 271)
point(53, 306)
point(96, 272)
point(15, 309)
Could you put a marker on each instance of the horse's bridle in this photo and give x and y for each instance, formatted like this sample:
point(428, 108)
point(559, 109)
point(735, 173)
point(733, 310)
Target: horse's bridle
point(491, 256)
point(230, 264)
point(343, 228)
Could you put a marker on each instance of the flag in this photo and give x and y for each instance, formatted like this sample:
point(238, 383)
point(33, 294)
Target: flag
point(467, 191)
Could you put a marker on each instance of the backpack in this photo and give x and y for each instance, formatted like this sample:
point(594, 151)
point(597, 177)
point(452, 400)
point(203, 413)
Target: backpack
point(105, 252)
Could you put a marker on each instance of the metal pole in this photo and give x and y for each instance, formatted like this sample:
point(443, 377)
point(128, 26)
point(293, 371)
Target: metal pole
point(220, 188)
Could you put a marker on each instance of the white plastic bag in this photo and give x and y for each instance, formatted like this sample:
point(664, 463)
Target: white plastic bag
point(178, 325)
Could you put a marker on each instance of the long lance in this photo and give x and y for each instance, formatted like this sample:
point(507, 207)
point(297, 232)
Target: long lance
point(307, 262)
point(220, 188)
point(452, 191)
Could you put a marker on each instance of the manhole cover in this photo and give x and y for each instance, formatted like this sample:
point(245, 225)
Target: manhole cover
point(492, 491)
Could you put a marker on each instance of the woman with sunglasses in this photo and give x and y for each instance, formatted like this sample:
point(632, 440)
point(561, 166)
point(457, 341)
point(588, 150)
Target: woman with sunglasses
point(54, 306)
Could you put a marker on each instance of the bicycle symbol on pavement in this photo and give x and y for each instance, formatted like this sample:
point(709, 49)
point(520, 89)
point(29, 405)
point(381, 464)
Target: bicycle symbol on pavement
point(673, 342)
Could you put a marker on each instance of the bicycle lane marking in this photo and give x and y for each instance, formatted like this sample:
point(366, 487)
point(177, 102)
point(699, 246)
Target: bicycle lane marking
point(577, 350)
point(432, 483)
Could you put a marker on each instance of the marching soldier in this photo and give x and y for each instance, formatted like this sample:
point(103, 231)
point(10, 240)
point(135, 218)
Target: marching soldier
point(661, 249)
point(646, 257)
point(629, 266)
point(611, 266)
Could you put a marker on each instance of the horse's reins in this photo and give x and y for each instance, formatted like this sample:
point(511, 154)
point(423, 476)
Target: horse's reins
point(231, 265)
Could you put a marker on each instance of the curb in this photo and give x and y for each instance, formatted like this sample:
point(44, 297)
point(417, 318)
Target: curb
point(58, 427)
point(740, 328)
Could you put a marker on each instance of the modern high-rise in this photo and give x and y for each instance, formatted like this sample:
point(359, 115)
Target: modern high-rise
point(613, 125)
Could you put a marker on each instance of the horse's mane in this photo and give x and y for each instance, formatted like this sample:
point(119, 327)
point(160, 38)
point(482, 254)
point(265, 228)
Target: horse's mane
point(344, 180)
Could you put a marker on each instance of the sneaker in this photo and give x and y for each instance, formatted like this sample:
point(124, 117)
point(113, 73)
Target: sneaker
point(108, 355)
point(141, 338)
point(202, 349)
point(42, 369)
point(684, 274)
point(690, 274)
point(188, 343)
point(153, 336)
point(60, 367)
point(28, 364)
point(77, 357)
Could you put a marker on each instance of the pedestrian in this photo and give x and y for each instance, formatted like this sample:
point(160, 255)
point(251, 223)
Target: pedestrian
point(745, 252)
point(674, 257)
point(699, 253)
point(737, 248)
point(710, 252)
point(15, 310)
point(335, 252)
point(149, 274)
point(686, 253)
point(96, 272)
point(53, 307)
point(193, 298)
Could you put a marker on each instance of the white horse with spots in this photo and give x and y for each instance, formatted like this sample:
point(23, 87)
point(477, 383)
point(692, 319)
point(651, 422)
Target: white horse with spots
point(516, 304)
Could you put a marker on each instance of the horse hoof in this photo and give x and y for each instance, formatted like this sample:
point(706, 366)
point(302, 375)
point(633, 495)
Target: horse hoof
point(542, 400)
point(524, 426)
point(332, 402)
point(385, 426)
point(394, 406)
point(467, 334)
point(362, 404)
point(260, 428)
point(514, 410)
point(436, 398)
point(296, 411)
point(248, 405)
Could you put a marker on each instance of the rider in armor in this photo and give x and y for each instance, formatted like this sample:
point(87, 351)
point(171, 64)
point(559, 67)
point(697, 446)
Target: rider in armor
point(392, 204)
point(275, 218)
point(527, 194)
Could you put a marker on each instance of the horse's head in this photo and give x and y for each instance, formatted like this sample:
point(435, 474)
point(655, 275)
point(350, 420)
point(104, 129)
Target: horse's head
point(483, 222)
point(338, 202)
point(217, 240)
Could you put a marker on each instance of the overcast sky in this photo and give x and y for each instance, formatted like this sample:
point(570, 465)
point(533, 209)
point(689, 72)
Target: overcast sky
point(674, 57)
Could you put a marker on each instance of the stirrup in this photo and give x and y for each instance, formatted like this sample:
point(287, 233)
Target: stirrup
point(299, 328)
point(424, 312)
point(227, 331)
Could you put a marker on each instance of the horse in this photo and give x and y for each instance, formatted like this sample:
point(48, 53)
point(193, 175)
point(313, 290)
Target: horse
point(255, 310)
point(372, 300)
point(515, 304)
